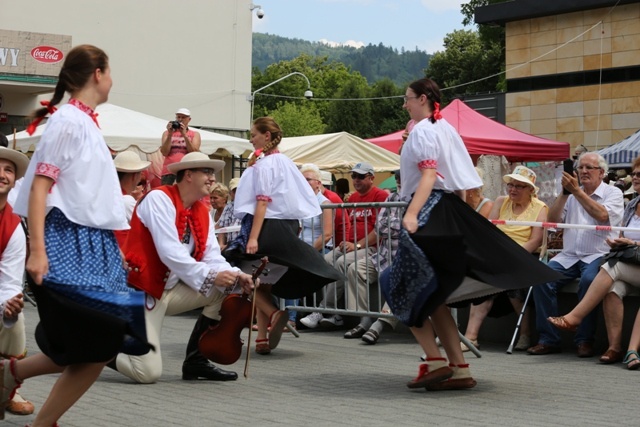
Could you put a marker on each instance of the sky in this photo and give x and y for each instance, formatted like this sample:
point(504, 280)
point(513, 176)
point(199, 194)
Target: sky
point(395, 23)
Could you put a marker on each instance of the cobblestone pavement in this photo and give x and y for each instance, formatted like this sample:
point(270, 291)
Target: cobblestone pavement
point(321, 379)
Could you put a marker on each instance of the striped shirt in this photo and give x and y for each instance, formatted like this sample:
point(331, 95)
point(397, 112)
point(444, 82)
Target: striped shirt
point(589, 245)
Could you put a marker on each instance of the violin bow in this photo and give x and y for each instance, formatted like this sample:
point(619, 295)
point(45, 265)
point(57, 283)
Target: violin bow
point(263, 263)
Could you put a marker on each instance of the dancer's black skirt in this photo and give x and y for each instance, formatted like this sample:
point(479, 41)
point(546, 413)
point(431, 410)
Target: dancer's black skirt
point(453, 242)
point(307, 270)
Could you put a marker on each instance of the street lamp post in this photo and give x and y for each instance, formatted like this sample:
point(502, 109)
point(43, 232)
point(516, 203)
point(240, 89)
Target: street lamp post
point(307, 94)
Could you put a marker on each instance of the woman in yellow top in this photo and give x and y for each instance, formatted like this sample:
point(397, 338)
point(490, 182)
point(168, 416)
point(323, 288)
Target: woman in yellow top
point(520, 204)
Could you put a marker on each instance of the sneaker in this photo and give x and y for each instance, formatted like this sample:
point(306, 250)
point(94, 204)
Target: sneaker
point(331, 322)
point(311, 321)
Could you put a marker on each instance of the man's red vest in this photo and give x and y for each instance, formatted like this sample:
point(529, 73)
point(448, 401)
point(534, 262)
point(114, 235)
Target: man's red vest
point(8, 224)
point(146, 270)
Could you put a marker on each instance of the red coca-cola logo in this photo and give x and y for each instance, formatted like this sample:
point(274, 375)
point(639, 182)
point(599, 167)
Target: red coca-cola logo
point(47, 54)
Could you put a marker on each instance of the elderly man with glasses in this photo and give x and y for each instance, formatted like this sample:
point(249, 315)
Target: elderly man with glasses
point(354, 246)
point(590, 202)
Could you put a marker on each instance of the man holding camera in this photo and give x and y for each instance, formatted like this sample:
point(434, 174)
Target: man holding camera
point(177, 141)
point(591, 202)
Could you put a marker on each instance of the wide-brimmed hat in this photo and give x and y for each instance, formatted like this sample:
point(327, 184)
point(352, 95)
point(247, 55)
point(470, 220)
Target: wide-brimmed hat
point(233, 184)
point(325, 178)
point(184, 112)
point(17, 158)
point(522, 174)
point(195, 160)
point(128, 161)
point(363, 168)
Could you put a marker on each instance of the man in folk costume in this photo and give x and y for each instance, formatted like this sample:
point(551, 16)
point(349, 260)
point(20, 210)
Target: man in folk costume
point(173, 255)
point(129, 168)
point(13, 249)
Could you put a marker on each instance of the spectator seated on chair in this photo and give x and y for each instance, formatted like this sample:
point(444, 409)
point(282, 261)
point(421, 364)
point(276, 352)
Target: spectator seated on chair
point(365, 273)
point(590, 202)
point(611, 285)
point(350, 250)
point(520, 204)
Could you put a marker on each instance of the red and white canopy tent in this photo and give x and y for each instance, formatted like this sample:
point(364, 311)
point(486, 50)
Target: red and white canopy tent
point(482, 135)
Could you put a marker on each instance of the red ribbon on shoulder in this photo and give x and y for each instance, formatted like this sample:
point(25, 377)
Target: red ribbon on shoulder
point(436, 112)
point(34, 124)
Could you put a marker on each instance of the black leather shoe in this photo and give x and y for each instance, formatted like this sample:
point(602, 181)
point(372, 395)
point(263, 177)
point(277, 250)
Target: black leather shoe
point(207, 371)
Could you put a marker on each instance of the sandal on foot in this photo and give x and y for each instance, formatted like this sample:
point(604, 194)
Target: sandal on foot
point(426, 376)
point(460, 380)
point(611, 356)
point(262, 346)
point(356, 332)
point(278, 322)
point(464, 347)
point(452, 384)
point(8, 383)
point(562, 324)
point(371, 337)
point(632, 360)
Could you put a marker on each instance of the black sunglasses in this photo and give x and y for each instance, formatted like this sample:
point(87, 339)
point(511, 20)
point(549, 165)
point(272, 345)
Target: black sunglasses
point(359, 176)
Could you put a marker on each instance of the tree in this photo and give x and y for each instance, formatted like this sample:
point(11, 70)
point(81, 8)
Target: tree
point(387, 115)
point(465, 63)
point(297, 119)
point(351, 116)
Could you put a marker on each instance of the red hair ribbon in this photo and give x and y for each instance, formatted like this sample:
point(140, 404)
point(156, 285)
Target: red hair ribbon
point(34, 124)
point(436, 112)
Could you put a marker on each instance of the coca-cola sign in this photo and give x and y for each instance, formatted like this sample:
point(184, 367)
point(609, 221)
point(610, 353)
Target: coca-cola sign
point(47, 54)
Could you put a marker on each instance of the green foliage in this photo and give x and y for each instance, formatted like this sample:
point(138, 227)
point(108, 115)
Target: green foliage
point(374, 62)
point(466, 58)
point(328, 111)
point(298, 119)
point(349, 115)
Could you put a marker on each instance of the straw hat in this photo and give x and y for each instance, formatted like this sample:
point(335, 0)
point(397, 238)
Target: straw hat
point(128, 161)
point(195, 160)
point(233, 184)
point(522, 174)
point(17, 158)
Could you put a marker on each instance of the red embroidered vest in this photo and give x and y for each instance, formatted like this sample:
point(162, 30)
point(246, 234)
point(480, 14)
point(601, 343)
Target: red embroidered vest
point(121, 235)
point(8, 223)
point(146, 270)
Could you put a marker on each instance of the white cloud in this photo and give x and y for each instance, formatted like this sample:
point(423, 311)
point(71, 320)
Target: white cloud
point(351, 43)
point(442, 5)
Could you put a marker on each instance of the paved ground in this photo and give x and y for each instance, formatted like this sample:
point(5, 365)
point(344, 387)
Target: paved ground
point(321, 379)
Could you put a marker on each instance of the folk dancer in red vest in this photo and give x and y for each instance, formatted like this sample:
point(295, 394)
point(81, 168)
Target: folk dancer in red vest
point(13, 249)
point(173, 255)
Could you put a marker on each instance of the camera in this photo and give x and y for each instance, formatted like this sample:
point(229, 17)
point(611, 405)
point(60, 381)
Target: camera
point(175, 125)
point(260, 13)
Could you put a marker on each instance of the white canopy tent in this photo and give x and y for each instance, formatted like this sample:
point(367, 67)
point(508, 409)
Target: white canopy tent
point(123, 128)
point(338, 152)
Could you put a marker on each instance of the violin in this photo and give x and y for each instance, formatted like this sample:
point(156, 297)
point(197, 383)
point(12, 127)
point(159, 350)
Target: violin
point(221, 343)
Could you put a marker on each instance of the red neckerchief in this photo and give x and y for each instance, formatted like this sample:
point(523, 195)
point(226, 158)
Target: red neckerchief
point(8, 223)
point(86, 109)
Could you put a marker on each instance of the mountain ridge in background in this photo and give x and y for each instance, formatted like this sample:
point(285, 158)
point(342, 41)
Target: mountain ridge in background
point(374, 62)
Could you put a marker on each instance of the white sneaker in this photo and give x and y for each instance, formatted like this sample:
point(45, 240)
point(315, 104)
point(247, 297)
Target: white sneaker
point(333, 321)
point(311, 321)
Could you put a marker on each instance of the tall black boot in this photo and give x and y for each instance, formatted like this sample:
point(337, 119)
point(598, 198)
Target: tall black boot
point(197, 366)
